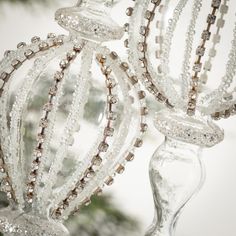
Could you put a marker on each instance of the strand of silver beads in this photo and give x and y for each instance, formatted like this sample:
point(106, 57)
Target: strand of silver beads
point(129, 155)
point(206, 35)
point(142, 46)
point(16, 63)
point(58, 77)
point(185, 75)
point(215, 41)
point(112, 100)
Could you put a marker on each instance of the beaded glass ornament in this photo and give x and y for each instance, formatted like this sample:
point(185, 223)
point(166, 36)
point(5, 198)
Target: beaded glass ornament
point(69, 124)
point(192, 101)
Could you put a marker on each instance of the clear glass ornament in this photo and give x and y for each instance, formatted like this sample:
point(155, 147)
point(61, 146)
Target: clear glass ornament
point(72, 116)
point(189, 37)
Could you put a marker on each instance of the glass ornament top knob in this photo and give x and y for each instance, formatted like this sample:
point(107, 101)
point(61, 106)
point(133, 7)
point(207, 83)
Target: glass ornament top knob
point(90, 19)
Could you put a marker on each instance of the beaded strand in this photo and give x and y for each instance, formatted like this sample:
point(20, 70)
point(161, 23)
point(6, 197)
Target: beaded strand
point(58, 77)
point(206, 35)
point(4, 78)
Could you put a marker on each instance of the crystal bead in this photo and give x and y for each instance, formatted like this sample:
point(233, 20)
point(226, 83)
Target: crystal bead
point(124, 66)
point(48, 107)
point(144, 30)
point(130, 157)
point(58, 41)
point(143, 62)
point(77, 48)
point(120, 169)
point(200, 51)
point(29, 53)
point(111, 115)
point(90, 173)
point(144, 127)
point(43, 46)
point(206, 35)
point(2, 170)
point(129, 11)
point(97, 160)
point(106, 70)
point(21, 45)
point(149, 15)
point(16, 64)
point(142, 47)
point(7, 53)
point(58, 76)
point(43, 123)
point(111, 83)
point(71, 55)
point(103, 147)
point(38, 153)
point(211, 19)
point(35, 39)
point(133, 80)
point(109, 181)
point(216, 116)
point(87, 202)
point(4, 76)
point(51, 36)
point(109, 131)
point(114, 55)
point(9, 195)
point(64, 64)
point(141, 95)
point(138, 142)
point(53, 90)
point(112, 99)
point(126, 43)
point(144, 111)
point(126, 27)
point(197, 67)
point(40, 138)
point(35, 166)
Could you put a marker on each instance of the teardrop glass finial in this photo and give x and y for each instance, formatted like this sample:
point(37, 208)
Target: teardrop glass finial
point(91, 20)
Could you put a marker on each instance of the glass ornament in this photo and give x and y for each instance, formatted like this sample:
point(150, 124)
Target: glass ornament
point(72, 116)
point(191, 101)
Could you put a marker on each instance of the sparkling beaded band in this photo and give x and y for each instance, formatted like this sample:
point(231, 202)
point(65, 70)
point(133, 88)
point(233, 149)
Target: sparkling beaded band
point(129, 156)
point(109, 129)
point(142, 48)
point(58, 77)
point(206, 35)
point(16, 63)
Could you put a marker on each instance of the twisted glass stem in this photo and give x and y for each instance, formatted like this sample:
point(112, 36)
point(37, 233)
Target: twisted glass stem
point(176, 174)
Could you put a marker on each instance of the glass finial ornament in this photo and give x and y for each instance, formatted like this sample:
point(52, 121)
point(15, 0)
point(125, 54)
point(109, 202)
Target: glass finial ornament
point(192, 100)
point(72, 116)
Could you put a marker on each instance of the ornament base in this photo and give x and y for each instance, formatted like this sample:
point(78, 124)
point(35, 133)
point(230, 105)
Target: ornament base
point(19, 224)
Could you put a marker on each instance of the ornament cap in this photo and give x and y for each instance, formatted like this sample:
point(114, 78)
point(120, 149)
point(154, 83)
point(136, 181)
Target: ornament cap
point(91, 20)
